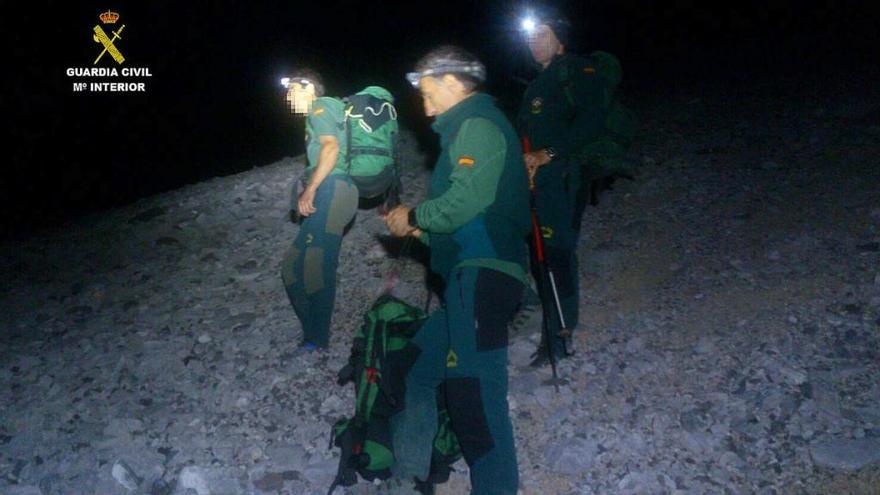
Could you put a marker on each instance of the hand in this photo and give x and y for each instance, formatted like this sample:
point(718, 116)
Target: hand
point(535, 159)
point(306, 203)
point(397, 221)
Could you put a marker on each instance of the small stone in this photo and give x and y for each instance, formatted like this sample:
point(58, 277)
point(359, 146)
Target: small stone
point(850, 454)
point(792, 319)
point(270, 482)
point(705, 346)
point(573, 456)
point(204, 338)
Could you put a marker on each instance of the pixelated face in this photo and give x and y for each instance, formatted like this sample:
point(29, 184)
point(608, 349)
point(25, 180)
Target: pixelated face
point(300, 97)
point(437, 95)
point(543, 44)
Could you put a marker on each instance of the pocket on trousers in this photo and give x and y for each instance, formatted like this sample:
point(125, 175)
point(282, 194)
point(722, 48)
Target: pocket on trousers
point(495, 302)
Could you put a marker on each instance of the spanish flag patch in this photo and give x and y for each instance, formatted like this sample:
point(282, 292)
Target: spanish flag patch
point(318, 111)
point(466, 161)
point(589, 70)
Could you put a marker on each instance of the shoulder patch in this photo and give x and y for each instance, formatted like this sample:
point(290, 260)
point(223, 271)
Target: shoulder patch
point(466, 161)
point(318, 111)
point(589, 70)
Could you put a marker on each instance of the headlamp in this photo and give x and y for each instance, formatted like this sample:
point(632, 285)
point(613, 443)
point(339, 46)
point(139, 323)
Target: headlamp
point(528, 25)
point(475, 70)
point(286, 82)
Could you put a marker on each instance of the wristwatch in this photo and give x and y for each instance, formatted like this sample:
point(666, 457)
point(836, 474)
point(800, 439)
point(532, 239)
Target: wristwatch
point(551, 153)
point(411, 219)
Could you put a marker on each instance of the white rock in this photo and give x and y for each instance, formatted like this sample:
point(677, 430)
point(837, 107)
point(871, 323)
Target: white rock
point(193, 478)
point(204, 338)
point(124, 475)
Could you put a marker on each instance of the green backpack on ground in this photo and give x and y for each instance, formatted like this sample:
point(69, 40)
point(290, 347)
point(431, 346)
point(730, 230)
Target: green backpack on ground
point(606, 156)
point(381, 356)
point(371, 134)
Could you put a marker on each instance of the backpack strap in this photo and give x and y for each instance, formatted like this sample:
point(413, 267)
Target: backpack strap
point(565, 81)
point(347, 123)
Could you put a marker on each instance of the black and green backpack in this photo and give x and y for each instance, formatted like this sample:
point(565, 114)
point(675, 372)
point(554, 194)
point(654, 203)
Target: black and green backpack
point(381, 355)
point(606, 155)
point(371, 134)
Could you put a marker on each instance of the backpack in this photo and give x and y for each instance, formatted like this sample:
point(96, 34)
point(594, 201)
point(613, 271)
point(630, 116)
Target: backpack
point(371, 133)
point(381, 355)
point(606, 156)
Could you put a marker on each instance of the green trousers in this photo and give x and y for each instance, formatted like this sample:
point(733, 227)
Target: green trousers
point(309, 269)
point(463, 348)
point(560, 199)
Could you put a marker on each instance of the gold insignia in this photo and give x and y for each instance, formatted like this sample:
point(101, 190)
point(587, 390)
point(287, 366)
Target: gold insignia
point(466, 161)
point(451, 359)
point(318, 111)
point(536, 105)
point(546, 232)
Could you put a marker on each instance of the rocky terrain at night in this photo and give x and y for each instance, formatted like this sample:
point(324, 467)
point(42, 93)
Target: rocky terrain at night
point(729, 341)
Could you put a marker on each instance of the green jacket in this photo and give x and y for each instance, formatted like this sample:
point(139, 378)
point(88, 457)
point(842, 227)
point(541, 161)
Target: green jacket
point(564, 107)
point(326, 118)
point(477, 211)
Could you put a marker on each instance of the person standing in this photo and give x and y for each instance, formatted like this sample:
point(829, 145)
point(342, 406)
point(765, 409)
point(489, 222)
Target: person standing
point(563, 109)
point(474, 220)
point(327, 204)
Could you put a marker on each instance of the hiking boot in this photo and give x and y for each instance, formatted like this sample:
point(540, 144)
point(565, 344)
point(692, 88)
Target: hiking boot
point(305, 353)
point(307, 349)
point(526, 323)
point(541, 358)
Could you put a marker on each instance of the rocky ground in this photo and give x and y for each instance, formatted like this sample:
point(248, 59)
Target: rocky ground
point(729, 340)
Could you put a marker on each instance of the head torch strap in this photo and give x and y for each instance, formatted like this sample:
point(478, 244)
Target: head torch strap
point(477, 71)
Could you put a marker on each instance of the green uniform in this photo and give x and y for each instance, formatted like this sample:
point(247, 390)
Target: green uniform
point(475, 221)
point(564, 109)
point(309, 269)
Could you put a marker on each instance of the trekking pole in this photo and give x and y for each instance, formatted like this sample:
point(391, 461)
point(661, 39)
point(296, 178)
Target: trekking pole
point(545, 273)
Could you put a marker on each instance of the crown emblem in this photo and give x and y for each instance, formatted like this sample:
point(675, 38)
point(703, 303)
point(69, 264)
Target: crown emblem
point(109, 17)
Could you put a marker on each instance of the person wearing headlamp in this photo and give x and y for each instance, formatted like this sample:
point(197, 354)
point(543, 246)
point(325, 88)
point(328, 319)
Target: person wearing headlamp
point(474, 220)
point(562, 110)
point(327, 203)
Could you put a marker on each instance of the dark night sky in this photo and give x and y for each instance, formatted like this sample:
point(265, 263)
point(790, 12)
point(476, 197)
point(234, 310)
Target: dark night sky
point(213, 105)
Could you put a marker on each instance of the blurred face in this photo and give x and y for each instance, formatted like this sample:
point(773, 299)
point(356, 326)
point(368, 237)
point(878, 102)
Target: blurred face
point(439, 95)
point(300, 97)
point(544, 45)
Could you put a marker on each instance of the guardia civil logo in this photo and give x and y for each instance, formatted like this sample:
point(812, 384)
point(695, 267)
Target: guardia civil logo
point(101, 37)
point(108, 72)
point(537, 103)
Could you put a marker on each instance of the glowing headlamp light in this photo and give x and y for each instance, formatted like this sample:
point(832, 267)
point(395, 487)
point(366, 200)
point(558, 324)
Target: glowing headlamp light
point(286, 82)
point(528, 25)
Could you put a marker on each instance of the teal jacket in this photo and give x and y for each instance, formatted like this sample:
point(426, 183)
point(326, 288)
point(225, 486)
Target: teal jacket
point(477, 211)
